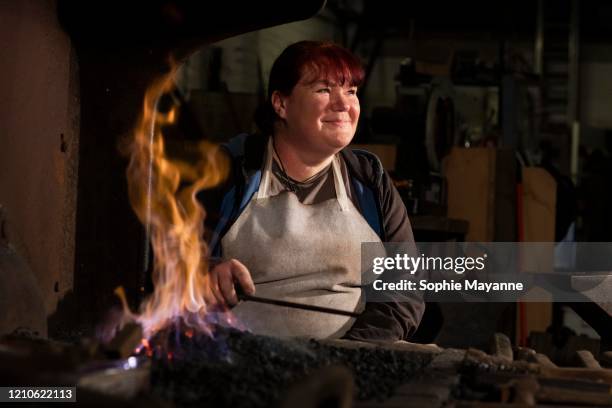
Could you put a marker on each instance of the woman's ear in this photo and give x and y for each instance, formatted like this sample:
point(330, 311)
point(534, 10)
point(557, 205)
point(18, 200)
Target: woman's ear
point(278, 103)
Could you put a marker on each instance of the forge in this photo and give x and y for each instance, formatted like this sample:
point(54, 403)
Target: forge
point(250, 370)
point(234, 368)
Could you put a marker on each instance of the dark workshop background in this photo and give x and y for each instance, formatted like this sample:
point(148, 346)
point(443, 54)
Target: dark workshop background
point(494, 119)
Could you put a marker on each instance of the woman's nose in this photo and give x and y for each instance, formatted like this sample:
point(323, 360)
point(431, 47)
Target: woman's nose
point(340, 102)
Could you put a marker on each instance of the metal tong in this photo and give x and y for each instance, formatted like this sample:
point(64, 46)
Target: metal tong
point(244, 297)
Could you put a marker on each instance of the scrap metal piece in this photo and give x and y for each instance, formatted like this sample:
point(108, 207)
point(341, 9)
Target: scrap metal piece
point(502, 347)
point(594, 374)
point(543, 360)
point(586, 359)
point(493, 363)
point(596, 287)
point(525, 354)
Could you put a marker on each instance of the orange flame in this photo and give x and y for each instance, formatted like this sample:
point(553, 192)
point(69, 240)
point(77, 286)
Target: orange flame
point(173, 218)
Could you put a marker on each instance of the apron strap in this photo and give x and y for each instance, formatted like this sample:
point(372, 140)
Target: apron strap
point(339, 183)
point(264, 185)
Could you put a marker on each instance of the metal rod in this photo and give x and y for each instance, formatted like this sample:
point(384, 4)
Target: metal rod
point(320, 309)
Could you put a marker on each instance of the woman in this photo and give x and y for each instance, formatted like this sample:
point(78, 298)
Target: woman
point(299, 204)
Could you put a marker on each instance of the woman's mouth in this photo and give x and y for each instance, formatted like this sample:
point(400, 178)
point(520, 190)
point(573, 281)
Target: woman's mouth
point(338, 123)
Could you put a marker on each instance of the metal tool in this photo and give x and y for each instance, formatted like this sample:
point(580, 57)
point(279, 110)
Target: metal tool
point(244, 297)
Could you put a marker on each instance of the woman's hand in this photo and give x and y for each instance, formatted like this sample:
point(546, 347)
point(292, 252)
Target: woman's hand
point(224, 275)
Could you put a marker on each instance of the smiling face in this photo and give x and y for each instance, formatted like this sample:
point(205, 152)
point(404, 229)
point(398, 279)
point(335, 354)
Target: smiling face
point(319, 115)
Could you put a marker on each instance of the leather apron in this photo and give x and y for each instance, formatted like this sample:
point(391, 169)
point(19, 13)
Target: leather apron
point(300, 253)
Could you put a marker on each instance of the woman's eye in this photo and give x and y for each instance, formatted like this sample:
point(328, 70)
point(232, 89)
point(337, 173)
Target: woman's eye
point(324, 90)
point(352, 92)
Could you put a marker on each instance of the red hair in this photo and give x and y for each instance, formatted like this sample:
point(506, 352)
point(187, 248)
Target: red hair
point(322, 59)
point(317, 59)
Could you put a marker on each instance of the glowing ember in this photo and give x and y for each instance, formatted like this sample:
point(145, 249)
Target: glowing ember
point(162, 192)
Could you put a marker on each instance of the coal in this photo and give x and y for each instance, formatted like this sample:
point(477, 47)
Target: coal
point(241, 369)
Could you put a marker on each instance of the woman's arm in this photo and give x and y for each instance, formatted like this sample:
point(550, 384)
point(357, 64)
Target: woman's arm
point(394, 319)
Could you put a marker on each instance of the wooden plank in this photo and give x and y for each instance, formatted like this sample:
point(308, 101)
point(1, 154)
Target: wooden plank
point(539, 201)
point(470, 175)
